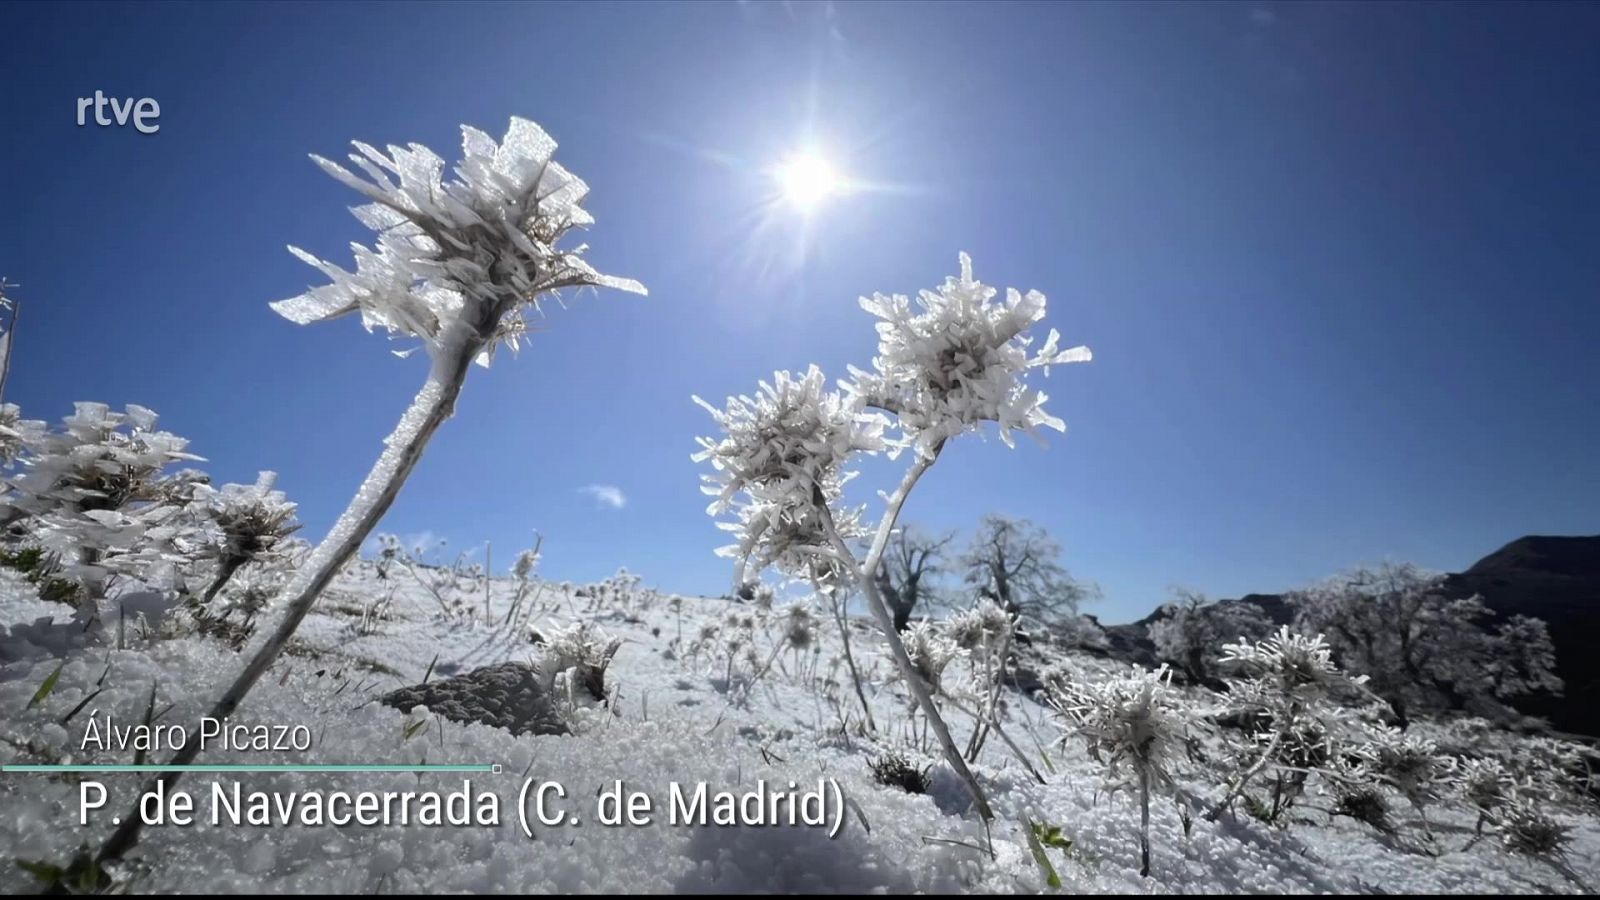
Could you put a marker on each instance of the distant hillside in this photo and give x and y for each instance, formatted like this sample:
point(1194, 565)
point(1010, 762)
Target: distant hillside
point(1556, 579)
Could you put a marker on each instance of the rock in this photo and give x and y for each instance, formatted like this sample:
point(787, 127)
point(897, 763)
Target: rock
point(507, 695)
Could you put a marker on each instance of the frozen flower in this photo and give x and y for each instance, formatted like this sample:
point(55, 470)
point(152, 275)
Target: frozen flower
point(957, 359)
point(983, 628)
point(930, 652)
point(252, 519)
point(457, 259)
point(786, 443)
point(1291, 660)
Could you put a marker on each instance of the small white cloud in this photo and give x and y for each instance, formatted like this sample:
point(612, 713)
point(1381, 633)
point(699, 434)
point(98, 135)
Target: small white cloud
point(608, 496)
point(1263, 17)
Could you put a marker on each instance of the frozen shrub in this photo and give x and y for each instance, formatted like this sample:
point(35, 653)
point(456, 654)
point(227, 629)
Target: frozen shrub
point(1292, 725)
point(892, 769)
point(1423, 651)
point(1485, 785)
point(1365, 803)
point(1134, 725)
point(1410, 764)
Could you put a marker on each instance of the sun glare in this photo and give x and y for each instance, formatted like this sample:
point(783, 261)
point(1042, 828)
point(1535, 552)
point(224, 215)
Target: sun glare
point(806, 180)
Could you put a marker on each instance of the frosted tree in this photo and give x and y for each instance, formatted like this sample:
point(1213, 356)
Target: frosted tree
point(910, 565)
point(1016, 564)
point(1421, 649)
point(458, 263)
point(945, 365)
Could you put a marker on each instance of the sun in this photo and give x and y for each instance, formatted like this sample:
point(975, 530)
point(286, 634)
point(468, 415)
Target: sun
point(806, 180)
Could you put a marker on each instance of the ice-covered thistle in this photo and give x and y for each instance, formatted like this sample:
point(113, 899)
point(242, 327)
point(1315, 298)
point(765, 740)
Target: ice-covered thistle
point(98, 495)
point(1135, 725)
point(250, 521)
point(982, 628)
point(782, 453)
point(457, 263)
point(1283, 695)
point(931, 653)
point(956, 359)
point(1409, 763)
point(457, 260)
point(1297, 663)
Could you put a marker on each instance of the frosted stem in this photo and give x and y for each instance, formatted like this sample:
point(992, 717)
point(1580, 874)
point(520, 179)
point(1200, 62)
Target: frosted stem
point(432, 405)
point(869, 569)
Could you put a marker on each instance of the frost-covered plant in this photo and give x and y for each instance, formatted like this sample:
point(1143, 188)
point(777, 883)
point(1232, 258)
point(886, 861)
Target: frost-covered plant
point(1135, 725)
point(1363, 802)
point(585, 650)
point(982, 627)
point(930, 652)
point(1485, 785)
point(944, 366)
point(984, 632)
point(523, 569)
point(17, 433)
point(1284, 698)
point(1409, 763)
point(250, 522)
point(955, 359)
point(1525, 827)
point(458, 261)
point(97, 496)
point(799, 626)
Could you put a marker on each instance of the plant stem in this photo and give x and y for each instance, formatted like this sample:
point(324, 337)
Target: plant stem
point(919, 690)
point(230, 565)
point(403, 448)
point(1144, 822)
point(849, 657)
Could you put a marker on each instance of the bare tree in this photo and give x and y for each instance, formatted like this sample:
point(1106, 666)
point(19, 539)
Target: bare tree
point(909, 565)
point(1013, 562)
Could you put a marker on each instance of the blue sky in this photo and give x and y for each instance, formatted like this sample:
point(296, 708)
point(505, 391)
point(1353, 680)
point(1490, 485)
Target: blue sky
point(1339, 265)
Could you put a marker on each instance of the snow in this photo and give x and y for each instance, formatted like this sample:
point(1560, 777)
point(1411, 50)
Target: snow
point(678, 718)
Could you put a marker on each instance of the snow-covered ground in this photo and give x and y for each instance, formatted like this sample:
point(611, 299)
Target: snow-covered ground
point(676, 718)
